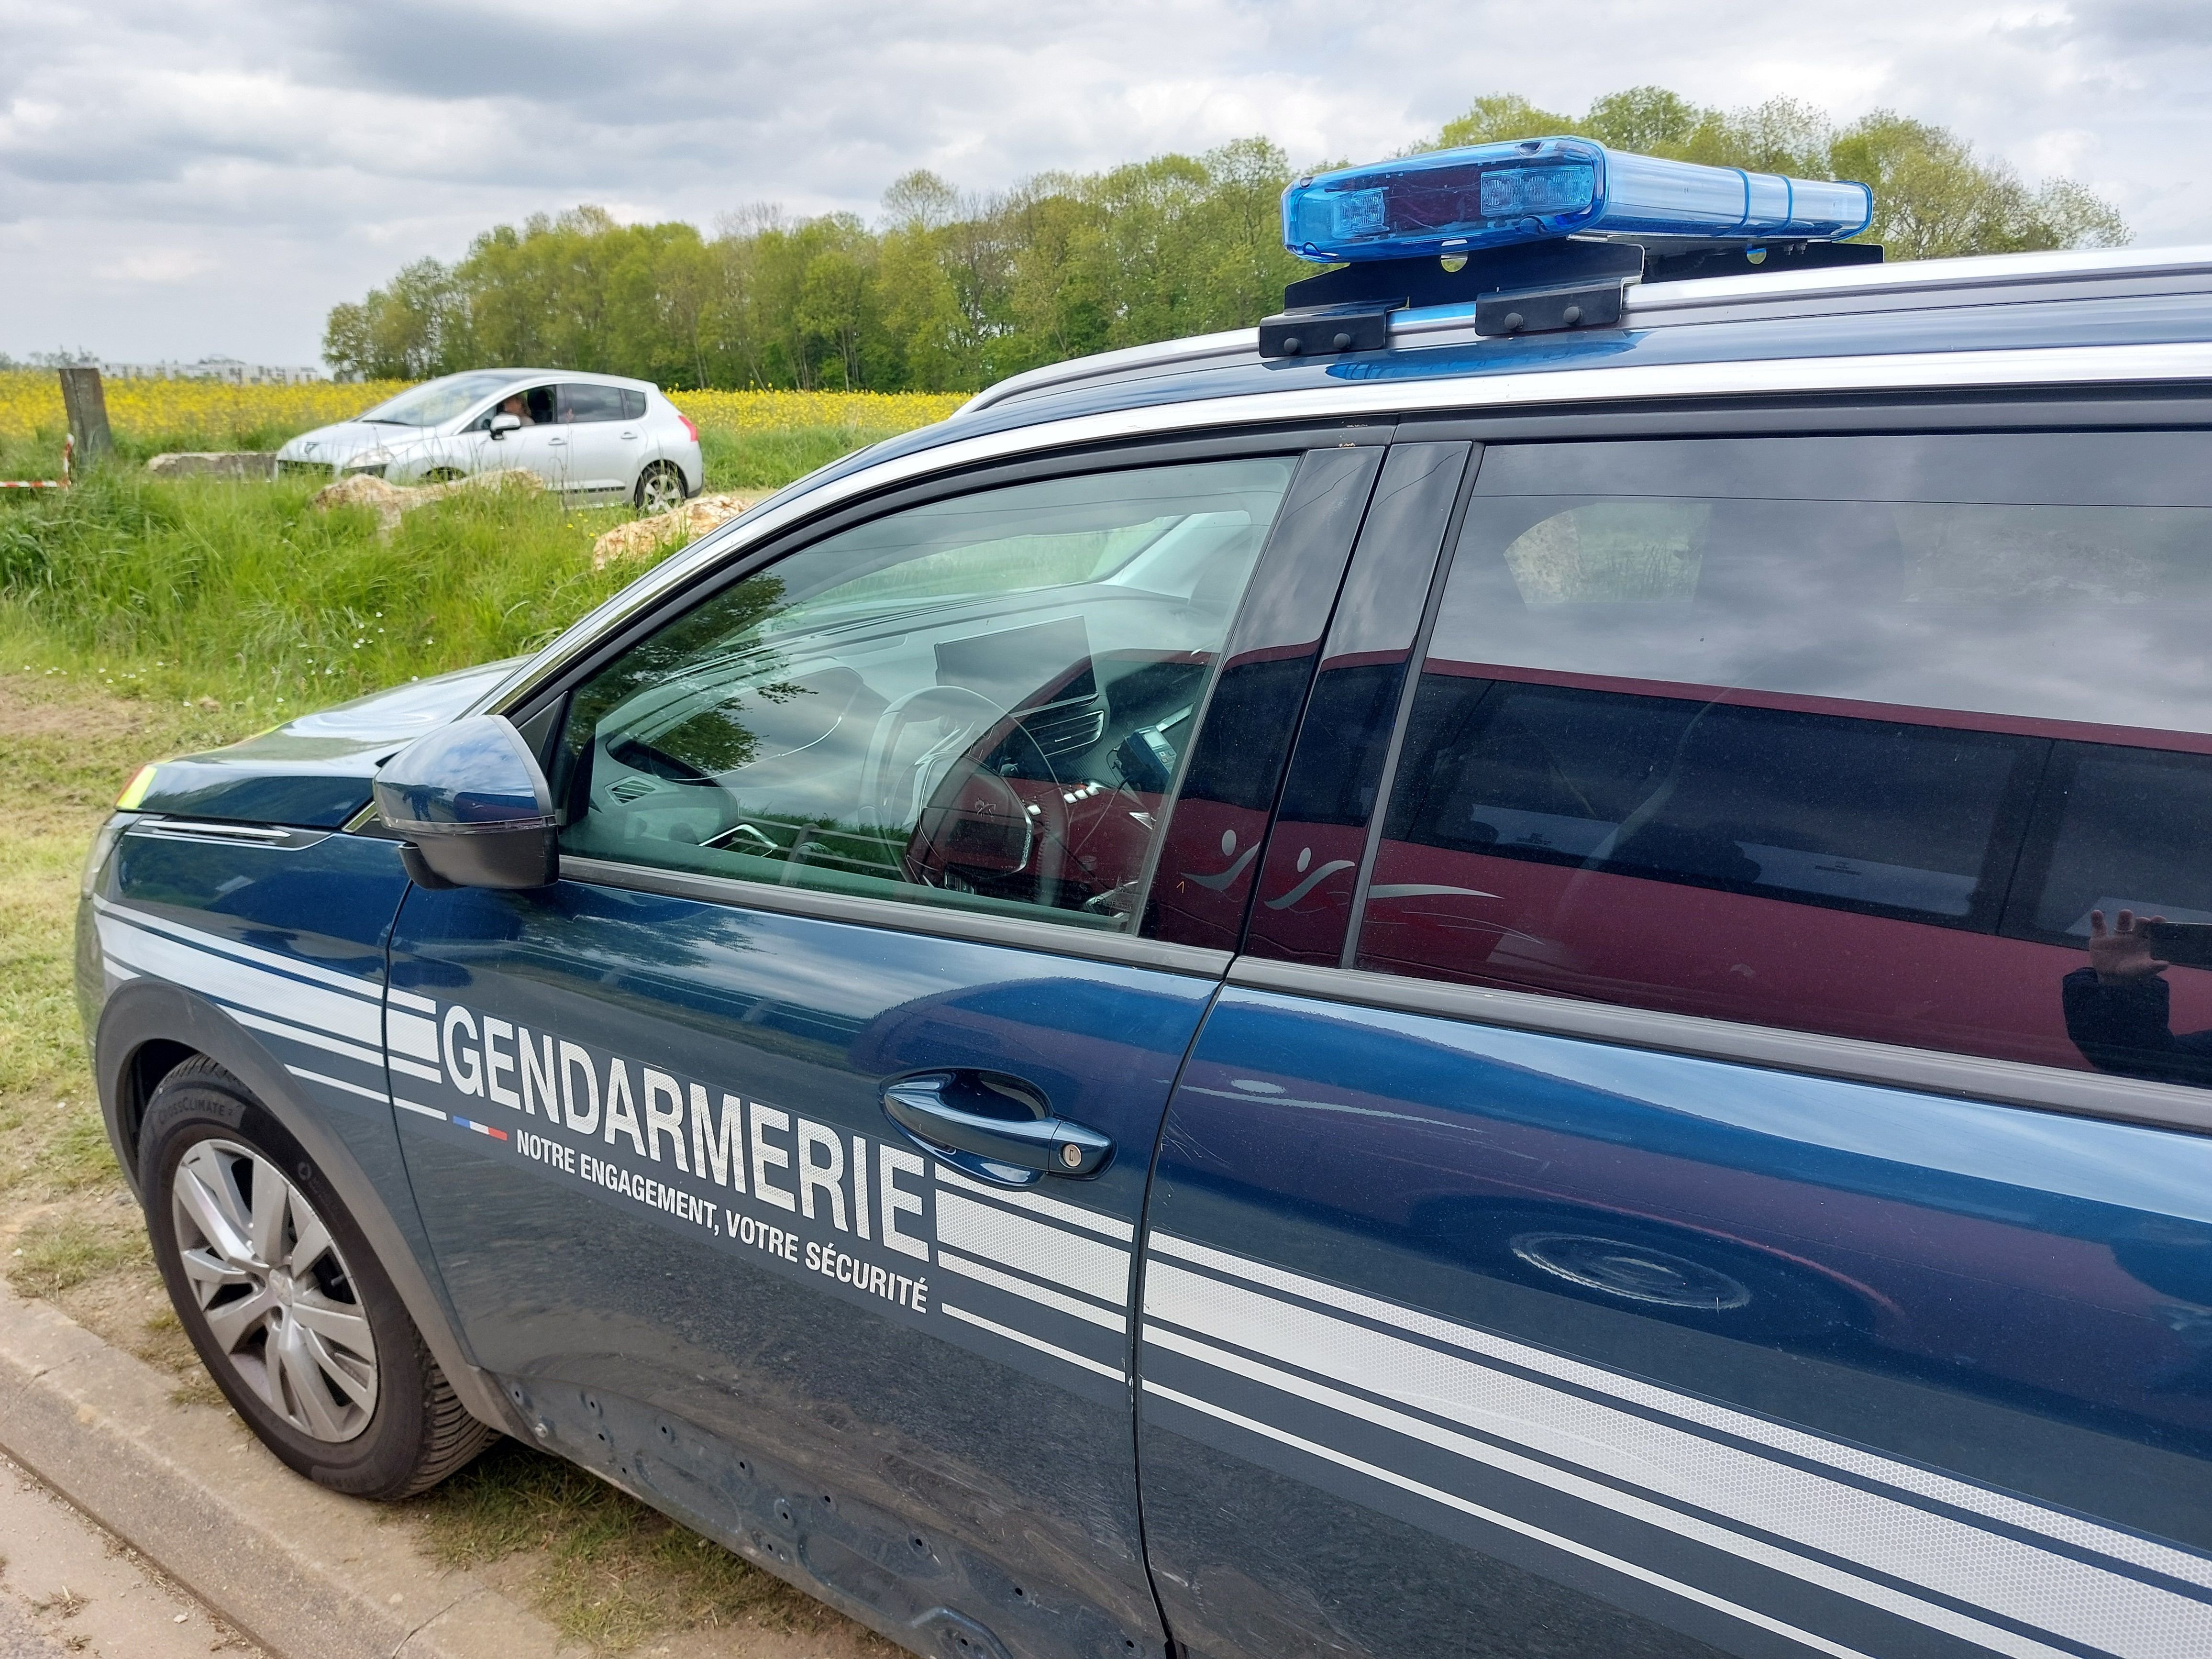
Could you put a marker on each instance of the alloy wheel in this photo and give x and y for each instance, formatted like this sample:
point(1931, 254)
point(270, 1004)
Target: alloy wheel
point(661, 491)
point(274, 1291)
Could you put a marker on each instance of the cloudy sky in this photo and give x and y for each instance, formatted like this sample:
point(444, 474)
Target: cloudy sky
point(180, 178)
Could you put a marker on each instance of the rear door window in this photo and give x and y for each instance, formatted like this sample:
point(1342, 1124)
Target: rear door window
point(580, 401)
point(1849, 735)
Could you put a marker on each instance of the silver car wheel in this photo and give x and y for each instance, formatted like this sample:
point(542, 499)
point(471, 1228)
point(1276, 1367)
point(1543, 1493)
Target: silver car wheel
point(276, 1294)
point(660, 490)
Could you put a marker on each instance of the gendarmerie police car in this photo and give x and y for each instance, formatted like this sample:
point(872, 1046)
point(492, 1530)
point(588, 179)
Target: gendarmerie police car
point(1524, 967)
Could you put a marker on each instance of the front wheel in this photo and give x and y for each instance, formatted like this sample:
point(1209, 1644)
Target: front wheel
point(290, 1312)
point(660, 488)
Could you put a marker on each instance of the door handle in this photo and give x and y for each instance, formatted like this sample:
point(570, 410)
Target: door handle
point(629, 435)
point(557, 441)
point(994, 1128)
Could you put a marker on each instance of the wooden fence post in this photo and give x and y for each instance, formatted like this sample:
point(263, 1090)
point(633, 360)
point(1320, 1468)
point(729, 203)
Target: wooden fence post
point(87, 405)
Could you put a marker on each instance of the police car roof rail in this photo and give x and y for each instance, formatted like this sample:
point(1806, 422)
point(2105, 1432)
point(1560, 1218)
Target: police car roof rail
point(1525, 288)
point(1764, 291)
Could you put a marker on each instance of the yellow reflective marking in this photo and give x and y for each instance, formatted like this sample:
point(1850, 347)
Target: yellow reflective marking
point(135, 791)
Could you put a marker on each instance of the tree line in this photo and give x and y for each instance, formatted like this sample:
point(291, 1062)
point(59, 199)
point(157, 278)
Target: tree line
point(949, 291)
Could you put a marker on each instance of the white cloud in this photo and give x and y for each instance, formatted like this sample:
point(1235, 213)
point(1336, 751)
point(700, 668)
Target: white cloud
point(188, 176)
point(173, 265)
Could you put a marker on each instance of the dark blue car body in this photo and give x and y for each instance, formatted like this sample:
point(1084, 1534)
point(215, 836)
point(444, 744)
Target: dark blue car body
point(1421, 1310)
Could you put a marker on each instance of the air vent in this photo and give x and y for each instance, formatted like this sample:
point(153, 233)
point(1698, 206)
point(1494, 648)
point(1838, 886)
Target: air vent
point(626, 790)
point(1058, 731)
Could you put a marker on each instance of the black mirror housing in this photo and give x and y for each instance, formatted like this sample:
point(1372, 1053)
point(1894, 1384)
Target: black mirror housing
point(473, 805)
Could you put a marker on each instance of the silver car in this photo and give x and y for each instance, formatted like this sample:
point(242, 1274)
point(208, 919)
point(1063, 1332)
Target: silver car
point(594, 436)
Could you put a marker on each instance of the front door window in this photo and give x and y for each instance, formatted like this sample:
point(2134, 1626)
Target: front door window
point(980, 703)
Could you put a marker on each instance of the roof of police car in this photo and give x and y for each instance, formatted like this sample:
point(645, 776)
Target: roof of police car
point(2128, 296)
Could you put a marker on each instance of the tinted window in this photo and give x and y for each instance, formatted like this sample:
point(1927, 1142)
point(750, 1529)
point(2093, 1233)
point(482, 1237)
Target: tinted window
point(983, 702)
point(2004, 575)
point(2120, 830)
point(583, 402)
point(1872, 815)
point(633, 405)
point(1849, 735)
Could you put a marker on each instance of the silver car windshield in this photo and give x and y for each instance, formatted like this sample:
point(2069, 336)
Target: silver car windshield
point(435, 402)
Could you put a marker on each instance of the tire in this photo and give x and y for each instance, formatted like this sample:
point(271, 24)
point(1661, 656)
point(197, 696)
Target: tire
point(385, 1424)
point(660, 488)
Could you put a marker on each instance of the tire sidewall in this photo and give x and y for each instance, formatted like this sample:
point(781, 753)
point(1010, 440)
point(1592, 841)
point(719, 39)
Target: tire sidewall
point(206, 1105)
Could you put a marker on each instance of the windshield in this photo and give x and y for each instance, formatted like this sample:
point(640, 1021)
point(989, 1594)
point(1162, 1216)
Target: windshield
point(435, 402)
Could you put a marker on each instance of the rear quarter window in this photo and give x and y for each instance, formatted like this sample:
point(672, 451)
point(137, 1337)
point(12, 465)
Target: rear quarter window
point(1847, 734)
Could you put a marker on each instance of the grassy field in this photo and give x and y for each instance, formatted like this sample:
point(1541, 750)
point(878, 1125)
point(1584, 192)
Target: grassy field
point(142, 618)
point(750, 440)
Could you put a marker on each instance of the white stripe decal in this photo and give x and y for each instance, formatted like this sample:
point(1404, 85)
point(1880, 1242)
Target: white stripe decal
point(1775, 1557)
point(410, 1106)
point(1037, 1204)
point(1027, 1341)
point(2078, 1600)
point(372, 988)
point(1036, 1293)
point(377, 1095)
point(1871, 1466)
point(230, 981)
point(411, 1034)
point(410, 1068)
point(1511, 1523)
point(1031, 1247)
point(408, 1000)
point(313, 1039)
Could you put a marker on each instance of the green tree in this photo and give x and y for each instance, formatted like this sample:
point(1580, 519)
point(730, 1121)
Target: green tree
point(949, 291)
point(404, 331)
point(1933, 197)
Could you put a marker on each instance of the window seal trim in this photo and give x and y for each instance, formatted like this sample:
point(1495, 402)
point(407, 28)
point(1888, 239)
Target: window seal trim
point(1848, 1059)
point(1014, 932)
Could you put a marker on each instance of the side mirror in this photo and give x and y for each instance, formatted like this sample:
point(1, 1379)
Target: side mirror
point(502, 424)
point(473, 805)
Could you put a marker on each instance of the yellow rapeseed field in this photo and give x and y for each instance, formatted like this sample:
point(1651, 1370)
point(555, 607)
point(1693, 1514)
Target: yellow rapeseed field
point(209, 412)
point(761, 411)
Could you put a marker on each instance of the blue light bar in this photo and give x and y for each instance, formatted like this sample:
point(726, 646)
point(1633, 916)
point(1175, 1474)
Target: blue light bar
point(1457, 200)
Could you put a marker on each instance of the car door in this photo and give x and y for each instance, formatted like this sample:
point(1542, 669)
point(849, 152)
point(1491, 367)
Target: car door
point(719, 1141)
point(539, 444)
point(1717, 1199)
point(605, 450)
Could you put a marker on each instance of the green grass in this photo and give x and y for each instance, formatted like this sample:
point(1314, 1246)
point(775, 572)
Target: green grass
point(770, 460)
point(735, 460)
point(177, 590)
point(60, 1258)
point(38, 455)
point(613, 1572)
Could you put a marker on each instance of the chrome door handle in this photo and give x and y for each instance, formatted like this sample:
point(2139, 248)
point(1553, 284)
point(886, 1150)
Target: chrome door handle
point(996, 1127)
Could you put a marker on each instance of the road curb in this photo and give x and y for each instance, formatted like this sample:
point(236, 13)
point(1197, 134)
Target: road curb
point(305, 1572)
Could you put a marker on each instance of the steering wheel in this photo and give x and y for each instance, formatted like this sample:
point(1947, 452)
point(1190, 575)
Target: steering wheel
point(896, 801)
